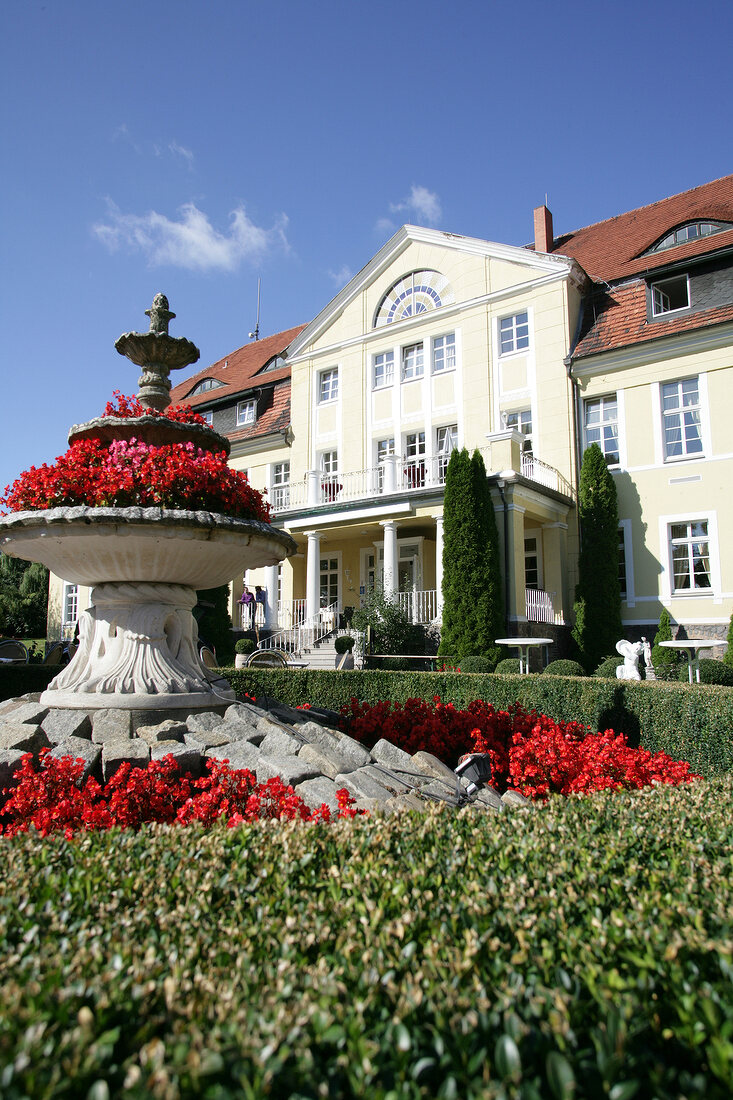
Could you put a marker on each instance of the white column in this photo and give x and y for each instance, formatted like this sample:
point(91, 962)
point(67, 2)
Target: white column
point(389, 467)
point(313, 574)
point(439, 565)
point(390, 557)
point(271, 590)
point(314, 487)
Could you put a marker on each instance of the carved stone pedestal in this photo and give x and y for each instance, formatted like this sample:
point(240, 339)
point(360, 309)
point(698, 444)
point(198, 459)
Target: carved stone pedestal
point(138, 646)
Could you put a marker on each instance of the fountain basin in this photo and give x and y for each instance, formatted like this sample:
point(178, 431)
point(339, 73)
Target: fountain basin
point(138, 642)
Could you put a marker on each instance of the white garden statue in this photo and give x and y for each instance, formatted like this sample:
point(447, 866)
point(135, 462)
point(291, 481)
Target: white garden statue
point(631, 652)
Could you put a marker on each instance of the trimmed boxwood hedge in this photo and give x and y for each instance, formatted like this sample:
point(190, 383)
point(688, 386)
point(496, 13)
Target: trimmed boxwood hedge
point(689, 721)
point(581, 949)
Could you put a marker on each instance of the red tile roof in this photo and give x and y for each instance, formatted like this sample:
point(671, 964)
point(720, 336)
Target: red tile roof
point(613, 249)
point(619, 318)
point(239, 370)
point(274, 419)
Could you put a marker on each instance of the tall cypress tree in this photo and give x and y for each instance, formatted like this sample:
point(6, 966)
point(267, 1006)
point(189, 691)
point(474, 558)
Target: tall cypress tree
point(598, 592)
point(473, 614)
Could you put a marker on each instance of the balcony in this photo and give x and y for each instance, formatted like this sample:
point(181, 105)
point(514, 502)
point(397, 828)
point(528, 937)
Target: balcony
point(398, 475)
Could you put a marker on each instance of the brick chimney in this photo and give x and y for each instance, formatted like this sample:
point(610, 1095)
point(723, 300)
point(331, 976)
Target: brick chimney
point(542, 229)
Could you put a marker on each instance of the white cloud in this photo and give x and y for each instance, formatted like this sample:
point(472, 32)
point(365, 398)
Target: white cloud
point(191, 241)
point(384, 225)
point(181, 151)
point(342, 276)
point(421, 203)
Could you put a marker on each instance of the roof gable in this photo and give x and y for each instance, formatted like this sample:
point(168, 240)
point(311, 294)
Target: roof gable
point(397, 246)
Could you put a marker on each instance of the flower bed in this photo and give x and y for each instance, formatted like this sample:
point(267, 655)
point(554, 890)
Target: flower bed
point(529, 752)
point(53, 796)
point(129, 472)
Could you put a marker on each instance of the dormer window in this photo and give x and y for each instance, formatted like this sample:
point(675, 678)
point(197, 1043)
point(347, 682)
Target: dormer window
point(204, 385)
point(246, 412)
point(670, 295)
point(691, 231)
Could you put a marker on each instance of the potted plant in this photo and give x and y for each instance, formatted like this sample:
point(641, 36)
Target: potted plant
point(242, 649)
point(343, 646)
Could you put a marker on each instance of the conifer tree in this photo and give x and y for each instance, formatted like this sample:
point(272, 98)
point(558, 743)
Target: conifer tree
point(728, 658)
point(473, 613)
point(666, 662)
point(598, 593)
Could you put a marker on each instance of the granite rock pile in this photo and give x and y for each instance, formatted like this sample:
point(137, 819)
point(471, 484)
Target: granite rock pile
point(305, 748)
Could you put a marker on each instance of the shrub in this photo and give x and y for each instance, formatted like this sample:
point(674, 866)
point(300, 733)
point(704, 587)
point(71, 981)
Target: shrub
point(687, 721)
point(344, 643)
point(509, 666)
point(477, 664)
point(391, 628)
point(244, 646)
point(608, 667)
point(711, 672)
point(728, 658)
point(473, 611)
point(666, 662)
point(563, 668)
point(578, 951)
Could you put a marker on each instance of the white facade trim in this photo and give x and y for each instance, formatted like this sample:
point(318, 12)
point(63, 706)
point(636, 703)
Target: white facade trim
point(405, 508)
point(715, 592)
point(656, 349)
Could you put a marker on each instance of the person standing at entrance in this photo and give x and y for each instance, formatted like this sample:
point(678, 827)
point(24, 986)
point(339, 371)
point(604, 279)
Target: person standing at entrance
point(247, 601)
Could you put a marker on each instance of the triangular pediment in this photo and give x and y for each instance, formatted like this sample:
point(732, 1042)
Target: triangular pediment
point(432, 253)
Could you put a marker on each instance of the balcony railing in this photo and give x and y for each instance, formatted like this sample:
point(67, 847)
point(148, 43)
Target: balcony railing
point(399, 474)
point(540, 607)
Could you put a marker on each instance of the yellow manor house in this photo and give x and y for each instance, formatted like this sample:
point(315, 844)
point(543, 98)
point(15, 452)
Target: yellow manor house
point(619, 334)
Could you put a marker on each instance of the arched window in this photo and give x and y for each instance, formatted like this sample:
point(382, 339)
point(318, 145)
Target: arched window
point(690, 231)
point(204, 385)
point(418, 292)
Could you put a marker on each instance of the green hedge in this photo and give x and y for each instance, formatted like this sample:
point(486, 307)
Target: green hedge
point(577, 950)
point(689, 721)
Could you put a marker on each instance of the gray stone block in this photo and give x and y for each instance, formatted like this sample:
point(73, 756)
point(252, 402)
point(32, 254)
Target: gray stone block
point(291, 769)
point(206, 739)
point(491, 798)
point(122, 751)
point(187, 757)
point(384, 752)
point(315, 792)
point(23, 737)
point(393, 783)
point(204, 721)
point(32, 713)
point(58, 725)
point(350, 751)
point(402, 803)
point(81, 748)
point(516, 801)
point(431, 765)
point(10, 760)
point(362, 786)
point(328, 760)
point(441, 792)
point(111, 725)
point(279, 743)
point(235, 729)
point(240, 754)
point(166, 731)
point(243, 712)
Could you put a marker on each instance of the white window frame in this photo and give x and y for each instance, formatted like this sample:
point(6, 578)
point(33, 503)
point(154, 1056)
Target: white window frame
point(445, 447)
point(328, 386)
point(69, 608)
point(603, 422)
point(657, 295)
point(416, 366)
point(208, 417)
point(517, 322)
point(520, 426)
point(445, 346)
point(665, 556)
point(535, 534)
point(328, 463)
point(384, 378)
point(246, 412)
point(700, 407)
point(280, 484)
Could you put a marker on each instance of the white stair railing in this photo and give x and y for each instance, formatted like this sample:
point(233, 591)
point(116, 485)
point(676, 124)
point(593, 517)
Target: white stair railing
point(304, 635)
point(540, 607)
point(420, 605)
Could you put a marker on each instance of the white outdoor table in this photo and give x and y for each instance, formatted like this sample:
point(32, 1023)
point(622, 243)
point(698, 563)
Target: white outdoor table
point(523, 645)
point(692, 646)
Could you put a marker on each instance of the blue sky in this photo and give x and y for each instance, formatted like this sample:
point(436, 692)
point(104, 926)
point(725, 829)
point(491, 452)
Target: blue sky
point(192, 147)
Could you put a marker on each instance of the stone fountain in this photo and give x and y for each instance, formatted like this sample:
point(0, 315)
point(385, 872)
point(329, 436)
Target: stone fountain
point(138, 641)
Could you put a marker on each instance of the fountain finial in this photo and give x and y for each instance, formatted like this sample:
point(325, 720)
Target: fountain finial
point(159, 314)
point(157, 353)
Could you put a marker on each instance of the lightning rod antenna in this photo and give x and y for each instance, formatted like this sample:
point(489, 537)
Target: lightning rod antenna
point(256, 334)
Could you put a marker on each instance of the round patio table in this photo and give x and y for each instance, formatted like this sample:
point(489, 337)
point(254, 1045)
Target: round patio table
point(523, 645)
point(692, 647)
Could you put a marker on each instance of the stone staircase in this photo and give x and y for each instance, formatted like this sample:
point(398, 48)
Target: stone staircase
point(322, 654)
